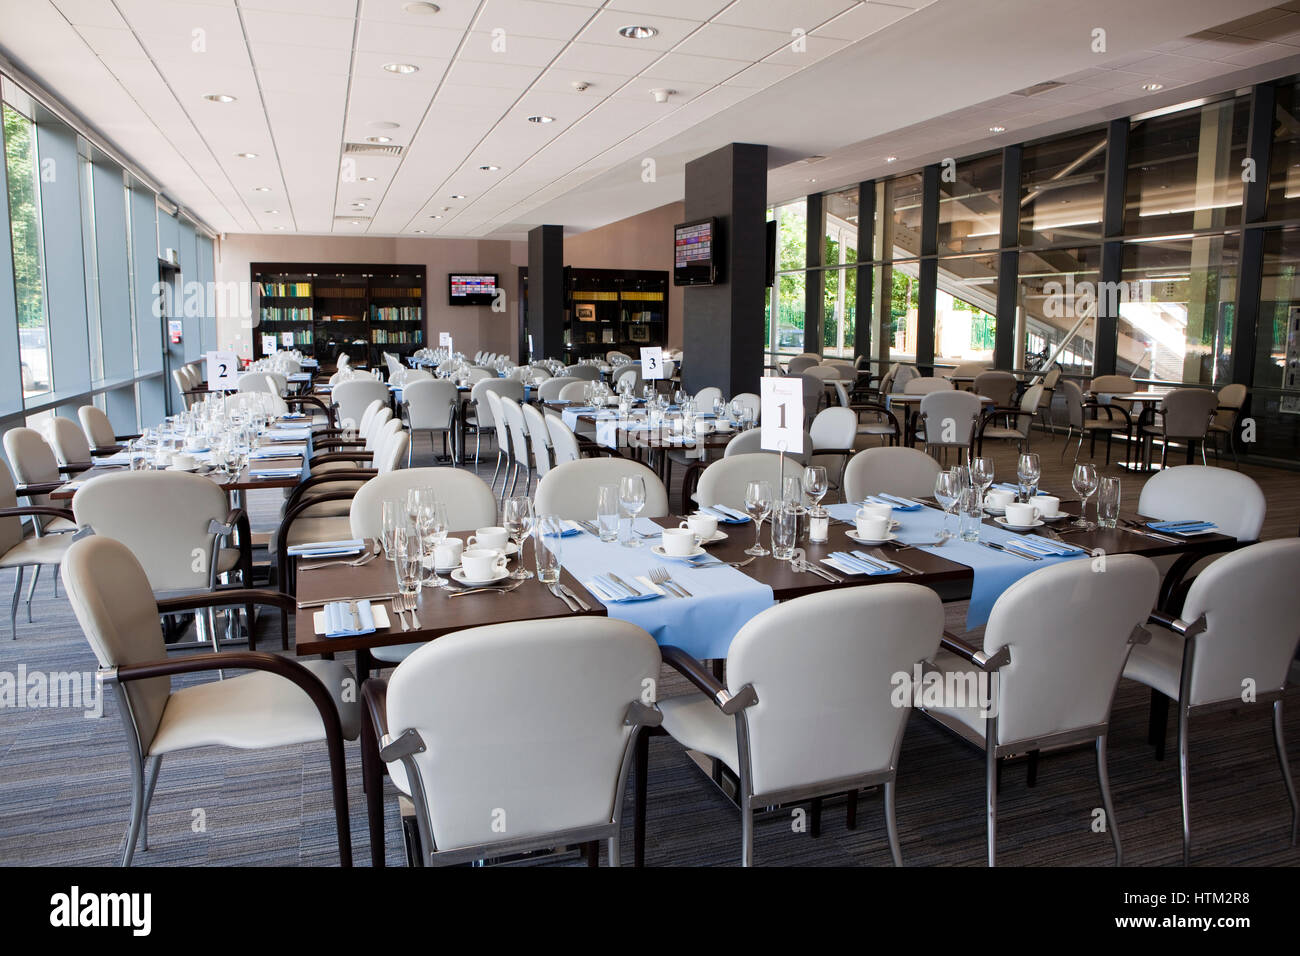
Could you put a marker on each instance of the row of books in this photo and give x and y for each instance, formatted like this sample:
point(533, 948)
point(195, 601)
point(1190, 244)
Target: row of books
point(641, 317)
point(398, 291)
point(286, 315)
point(295, 289)
point(392, 337)
point(343, 292)
point(405, 313)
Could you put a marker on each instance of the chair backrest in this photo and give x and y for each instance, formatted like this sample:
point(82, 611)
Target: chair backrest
point(365, 428)
point(394, 365)
point(902, 375)
point(263, 381)
point(1116, 385)
point(163, 517)
point(1232, 399)
point(564, 443)
point(182, 386)
point(1194, 492)
point(484, 408)
point(430, 402)
point(31, 459)
point(1052, 377)
point(1188, 412)
point(572, 392)
point(925, 385)
point(391, 448)
point(11, 528)
point(1252, 629)
point(751, 401)
point(98, 429)
point(516, 429)
point(999, 386)
point(705, 398)
point(588, 372)
point(560, 692)
point(826, 706)
point(1030, 402)
point(949, 417)
point(635, 371)
point(549, 390)
point(539, 436)
point(476, 375)
point(824, 372)
point(751, 442)
point(814, 392)
point(493, 409)
point(353, 396)
point(110, 594)
point(833, 428)
point(615, 355)
point(895, 471)
point(842, 368)
point(343, 361)
point(724, 481)
point(68, 442)
point(800, 363)
point(469, 501)
point(968, 369)
point(570, 489)
point(1062, 677)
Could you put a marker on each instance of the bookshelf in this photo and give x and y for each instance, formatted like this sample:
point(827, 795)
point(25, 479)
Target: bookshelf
point(325, 308)
point(606, 309)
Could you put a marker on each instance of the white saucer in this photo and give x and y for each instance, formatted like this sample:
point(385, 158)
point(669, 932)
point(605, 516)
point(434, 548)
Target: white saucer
point(659, 551)
point(990, 510)
point(507, 549)
point(178, 468)
point(718, 535)
point(1056, 517)
point(459, 577)
point(853, 535)
point(1019, 527)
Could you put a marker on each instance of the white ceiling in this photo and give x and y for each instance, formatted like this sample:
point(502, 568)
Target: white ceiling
point(869, 79)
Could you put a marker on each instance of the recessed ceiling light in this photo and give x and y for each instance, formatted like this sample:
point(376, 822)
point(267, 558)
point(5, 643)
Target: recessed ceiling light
point(358, 205)
point(279, 227)
point(637, 32)
point(997, 129)
point(419, 230)
point(1153, 87)
point(436, 216)
point(402, 68)
point(384, 124)
point(379, 139)
point(219, 98)
point(247, 155)
point(541, 119)
point(273, 212)
point(355, 222)
point(261, 189)
point(367, 179)
point(891, 159)
point(489, 168)
point(421, 9)
point(457, 196)
point(812, 180)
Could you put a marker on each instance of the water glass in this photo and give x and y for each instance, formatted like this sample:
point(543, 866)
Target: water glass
point(1028, 471)
point(408, 557)
point(815, 486)
point(1084, 482)
point(785, 529)
point(517, 518)
point(1108, 500)
point(758, 505)
point(607, 512)
point(546, 548)
point(946, 489)
point(631, 499)
point(972, 513)
point(392, 515)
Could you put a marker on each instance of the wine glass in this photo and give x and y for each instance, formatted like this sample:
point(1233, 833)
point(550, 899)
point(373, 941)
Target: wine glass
point(719, 407)
point(431, 518)
point(947, 488)
point(758, 505)
point(1084, 482)
point(631, 498)
point(815, 487)
point(1028, 471)
point(517, 518)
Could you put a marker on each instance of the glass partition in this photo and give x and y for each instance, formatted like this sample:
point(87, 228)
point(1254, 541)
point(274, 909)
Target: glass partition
point(28, 255)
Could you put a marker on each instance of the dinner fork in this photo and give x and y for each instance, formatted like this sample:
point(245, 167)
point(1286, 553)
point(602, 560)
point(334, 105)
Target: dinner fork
point(401, 619)
point(409, 600)
point(350, 563)
point(721, 564)
point(661, 577)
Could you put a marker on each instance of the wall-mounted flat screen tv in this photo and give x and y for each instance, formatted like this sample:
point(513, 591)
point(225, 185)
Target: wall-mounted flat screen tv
point(696, 253)
point(471, 289)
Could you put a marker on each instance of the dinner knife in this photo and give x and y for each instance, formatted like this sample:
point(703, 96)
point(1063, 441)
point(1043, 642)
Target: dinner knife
point(356, 615)
point(623, 584)
point(303, 605)
point(581, 603)
point(1018, 554)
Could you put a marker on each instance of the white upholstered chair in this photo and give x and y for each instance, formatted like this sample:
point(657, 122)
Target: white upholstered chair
point(353, 396)
point(908, 472)
point(429, 405)
point(724, 481)
point(20, 551)
point(569, 490)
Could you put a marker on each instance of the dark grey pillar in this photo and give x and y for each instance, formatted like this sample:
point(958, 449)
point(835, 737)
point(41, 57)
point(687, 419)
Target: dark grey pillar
point(546, 290)
point(722, 326)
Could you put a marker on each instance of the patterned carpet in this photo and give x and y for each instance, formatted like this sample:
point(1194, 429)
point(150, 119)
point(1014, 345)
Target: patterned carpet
point(64, 790)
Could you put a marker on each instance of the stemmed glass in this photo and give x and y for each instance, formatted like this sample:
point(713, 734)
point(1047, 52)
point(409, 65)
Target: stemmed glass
point(947, 490)
point(1028, 471)
point(408, 556)
point(815, 487)
point(1085, 483)
point(631, 498)
point(758, 505)
point(517, 518)
point(431, 518)
point(981, 474)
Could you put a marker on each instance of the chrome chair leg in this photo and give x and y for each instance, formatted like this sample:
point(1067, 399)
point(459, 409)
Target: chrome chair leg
point(137, 808)
point(31, 590)
point(991, 798)
point(891, 824)
point(1103, 778)
point(746, 834)
point(56, 580)
point(1184, 780)
point(1279, 739)
point(13, 603)
point(154, 765)
point(613, 851)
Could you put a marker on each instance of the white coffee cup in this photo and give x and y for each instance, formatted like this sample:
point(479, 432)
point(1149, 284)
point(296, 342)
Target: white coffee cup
point(702, 426)
point(482, 564)
point(999, 498)
point(878, 510)
point(872, 527)
point(447, 554)
point(704, 526)
point(1021, 514)
point(1047, 505)
point(491, 538)
point(183, 462)
point(194, 442)
point(679, 541)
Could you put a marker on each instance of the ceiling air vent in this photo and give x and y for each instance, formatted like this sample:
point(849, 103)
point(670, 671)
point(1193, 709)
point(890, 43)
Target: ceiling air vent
point(352, 218)
point(373, 149)
point(1037, 88)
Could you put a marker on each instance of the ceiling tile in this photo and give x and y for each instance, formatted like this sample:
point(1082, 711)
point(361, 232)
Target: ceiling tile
point(862, 20)
point(604, 59)
point(299, 29)
point(398, 40)
point(695, 69)
point(733, 43)
point(93, 13)
point(761, 75)
point(510, 48)
point(785, 17)
point(533, 19)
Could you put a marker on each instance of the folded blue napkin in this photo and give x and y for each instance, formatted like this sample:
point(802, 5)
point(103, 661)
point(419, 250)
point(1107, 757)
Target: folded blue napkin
point(1182, 527)
point(286, 451)
point(850, 564)
point(298, 436)
point(610, 593)
point(1006, 486)
point(1047, 545)
point(581, 408)
point(274, 472)
point(725, 514)
point(315, 548)
point(902, 504)
point(568, 529)
point(339, 622)
point(292, 416)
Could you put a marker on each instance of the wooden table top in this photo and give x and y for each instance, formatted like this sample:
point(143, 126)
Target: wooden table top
point(241, 482)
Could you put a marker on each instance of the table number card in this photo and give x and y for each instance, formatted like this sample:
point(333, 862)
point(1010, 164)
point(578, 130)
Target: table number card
point(652, 363)
point(223, 369)
point(269, 343)
point(444, 340)
point(781, 412)
point(286, 339)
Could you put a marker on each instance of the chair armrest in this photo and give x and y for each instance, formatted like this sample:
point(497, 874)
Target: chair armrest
point(1187, 629)
point(38, 488)
point(226, 598)
point(107, 449)
point(333, 441)
point(48, 512)
point(339, 456)
point(126, 437)
point(374, 705)
point(282, 533)
point(329, 477)
point(691, 481)
point(75, 468)
point(695, 672)
point(973, 655)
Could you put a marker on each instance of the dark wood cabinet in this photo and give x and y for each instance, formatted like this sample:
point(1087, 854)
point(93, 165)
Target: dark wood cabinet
point(607, 309)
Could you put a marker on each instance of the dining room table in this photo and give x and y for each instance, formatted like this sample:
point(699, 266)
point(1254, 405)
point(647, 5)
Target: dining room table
point(910, 405)
point(1146, 402)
